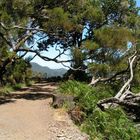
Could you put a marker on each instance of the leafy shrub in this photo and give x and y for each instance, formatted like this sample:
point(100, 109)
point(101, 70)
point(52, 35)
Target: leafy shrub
point(110, 125)
point(136, 89)
point(17, 86)
point(87, 96)
point(5, 90)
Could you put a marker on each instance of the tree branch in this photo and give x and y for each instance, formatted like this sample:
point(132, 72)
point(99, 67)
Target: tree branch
point(42, 56)
point(4, 38)
point(22, 40)
point(21, 27)
point(131, 61)
point(124, 97)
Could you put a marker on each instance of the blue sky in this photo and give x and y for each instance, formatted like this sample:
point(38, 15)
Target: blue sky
point(138, 3)
point(53, 53)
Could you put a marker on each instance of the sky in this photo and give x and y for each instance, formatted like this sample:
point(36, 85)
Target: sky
point(138, 3)
point(53, 53)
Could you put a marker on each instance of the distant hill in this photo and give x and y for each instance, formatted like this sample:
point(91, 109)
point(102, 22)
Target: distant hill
point(50, 72)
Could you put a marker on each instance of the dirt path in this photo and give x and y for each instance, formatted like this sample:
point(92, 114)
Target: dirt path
point(25, 119)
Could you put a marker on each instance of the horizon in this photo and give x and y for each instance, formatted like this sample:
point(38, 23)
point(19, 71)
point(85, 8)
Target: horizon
point(49, 67)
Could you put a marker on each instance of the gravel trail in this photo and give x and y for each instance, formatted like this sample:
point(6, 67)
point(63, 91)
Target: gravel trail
point(36, 120)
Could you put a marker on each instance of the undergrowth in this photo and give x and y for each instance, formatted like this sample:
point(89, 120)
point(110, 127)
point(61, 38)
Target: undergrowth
point(18, 86)
point(112, 124)
point(6, 89)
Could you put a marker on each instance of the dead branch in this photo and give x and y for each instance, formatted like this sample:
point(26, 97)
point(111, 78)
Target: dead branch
point(95, 81)
point(130, 101)
point(131, 61)
point(125, 98)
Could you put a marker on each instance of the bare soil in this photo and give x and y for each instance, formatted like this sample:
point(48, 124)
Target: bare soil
point(35, 119)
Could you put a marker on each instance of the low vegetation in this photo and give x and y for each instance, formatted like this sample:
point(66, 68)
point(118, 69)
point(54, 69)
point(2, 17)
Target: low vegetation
point(113, 124)
point(6, 89)
point(15, 76)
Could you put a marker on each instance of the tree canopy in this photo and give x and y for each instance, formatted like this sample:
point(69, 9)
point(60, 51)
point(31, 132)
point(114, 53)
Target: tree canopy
point(99, 34)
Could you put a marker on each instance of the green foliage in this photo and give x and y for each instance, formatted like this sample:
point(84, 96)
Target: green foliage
point(111, 125)
point(22, 68)
point(88, 96)
point(90, 45)
point(77, 56)
point(135, 88)
point(19, 72)
point(109, 67)
point(94, 14)
point(17, 86)
point(114, 37)
point(15, 11)
point(5, 90)
point(37, 76)
point(57, 19)
point(99, 69)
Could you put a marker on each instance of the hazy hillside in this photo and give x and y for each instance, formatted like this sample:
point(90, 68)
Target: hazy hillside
point(50, 72)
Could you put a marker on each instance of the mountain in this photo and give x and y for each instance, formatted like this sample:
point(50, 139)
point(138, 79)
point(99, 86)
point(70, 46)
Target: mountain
point(50, 72)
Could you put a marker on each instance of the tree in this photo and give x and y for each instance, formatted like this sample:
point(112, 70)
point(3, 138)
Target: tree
point(96, 32)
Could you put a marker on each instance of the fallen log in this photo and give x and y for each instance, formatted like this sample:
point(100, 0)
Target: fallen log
point(131, 101)
point(131, 104)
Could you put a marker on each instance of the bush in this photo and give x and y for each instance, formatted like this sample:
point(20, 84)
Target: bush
point(110, 125)
point(5, 90)
point(86, 95)
point(17, 86)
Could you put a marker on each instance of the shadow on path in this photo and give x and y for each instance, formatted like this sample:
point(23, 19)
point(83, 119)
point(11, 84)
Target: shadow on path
point(5, 101)
point(39, 91)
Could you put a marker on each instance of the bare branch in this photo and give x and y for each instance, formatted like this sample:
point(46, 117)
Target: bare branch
point(27, 28)
point(124, 97)
point(74, 69)
point(21, 27)
point(3, 26)
point(129, 104)
point(94, 81)
point(131, 61)
point(42, 56)
point(60, 53)
point(22, 40)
